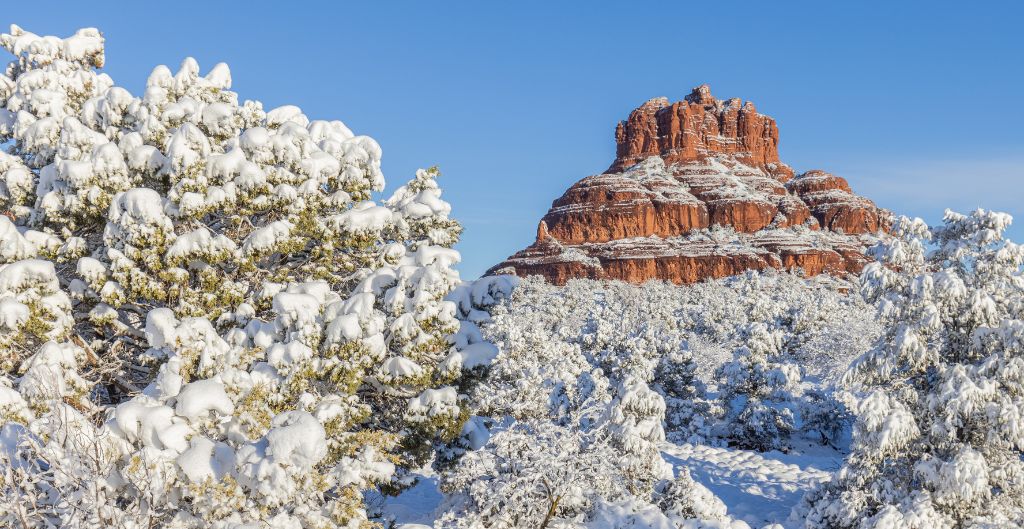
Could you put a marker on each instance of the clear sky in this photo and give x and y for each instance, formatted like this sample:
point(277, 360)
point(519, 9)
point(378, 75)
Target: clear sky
point(917, 104)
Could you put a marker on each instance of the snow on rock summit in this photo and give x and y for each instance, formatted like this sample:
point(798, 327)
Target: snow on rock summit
point(697, 191)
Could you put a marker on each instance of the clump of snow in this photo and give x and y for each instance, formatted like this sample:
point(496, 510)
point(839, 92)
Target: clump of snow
point(197, 399)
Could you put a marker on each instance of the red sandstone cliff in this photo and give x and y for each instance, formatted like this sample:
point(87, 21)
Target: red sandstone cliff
point(697, 191)
point(696, 127)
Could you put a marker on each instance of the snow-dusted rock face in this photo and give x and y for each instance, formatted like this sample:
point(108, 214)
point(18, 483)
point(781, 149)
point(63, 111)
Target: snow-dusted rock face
point(697, 191)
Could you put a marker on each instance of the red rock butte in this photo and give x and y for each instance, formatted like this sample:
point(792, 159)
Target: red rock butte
point(697, 191)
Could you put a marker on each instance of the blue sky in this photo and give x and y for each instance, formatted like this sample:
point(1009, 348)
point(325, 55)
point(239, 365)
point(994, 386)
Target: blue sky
point(917, 104)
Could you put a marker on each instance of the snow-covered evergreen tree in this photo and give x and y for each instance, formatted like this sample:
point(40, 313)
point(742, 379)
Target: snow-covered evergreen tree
point(534, 474)
point(939, 436)
point(757, 389)
point(637, 417)
point(205, 318)
point(687, 412)
point(684, 499)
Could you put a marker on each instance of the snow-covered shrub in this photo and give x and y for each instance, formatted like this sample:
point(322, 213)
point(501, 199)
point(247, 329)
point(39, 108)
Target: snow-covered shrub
point(538, 374)
point(206, 320)
point(50, 471)
point(825, 414)
point(685, 499)
point(939, 436)
point(689, 414)
point(757, 388)
point(636, 417)
point(535, 472)
point(628, 514)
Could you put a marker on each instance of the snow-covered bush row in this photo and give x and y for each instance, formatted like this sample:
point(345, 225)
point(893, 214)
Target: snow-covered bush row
point(598, 468)
point(939, 437)
point(754, 340)
point(205, 319)
point(591, 375)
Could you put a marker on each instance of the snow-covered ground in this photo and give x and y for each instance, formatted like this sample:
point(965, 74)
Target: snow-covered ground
point(758, 487)
point(416, 505)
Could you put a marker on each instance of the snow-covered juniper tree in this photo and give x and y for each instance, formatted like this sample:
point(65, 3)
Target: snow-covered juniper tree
point(687, 411)
point(939, 437)
point(684, 499)
point(637, 416)
point(534, 473)
point(292, 337)
point(757, 389)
